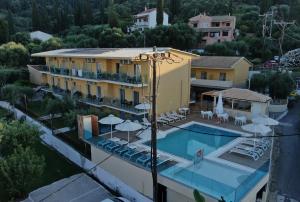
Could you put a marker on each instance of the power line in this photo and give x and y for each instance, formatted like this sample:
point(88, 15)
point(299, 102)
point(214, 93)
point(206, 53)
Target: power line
point(222, 135)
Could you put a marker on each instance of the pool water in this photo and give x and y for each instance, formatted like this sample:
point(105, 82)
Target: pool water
point(185, 143)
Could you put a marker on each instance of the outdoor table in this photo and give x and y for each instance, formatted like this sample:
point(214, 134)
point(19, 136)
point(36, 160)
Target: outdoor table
point(184, 110)
point(240, 120)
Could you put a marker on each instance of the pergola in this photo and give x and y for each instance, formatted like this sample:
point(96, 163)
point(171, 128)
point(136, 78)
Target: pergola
point(241, 101)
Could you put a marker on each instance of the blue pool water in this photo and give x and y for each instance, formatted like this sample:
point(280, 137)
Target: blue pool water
point(185, 144)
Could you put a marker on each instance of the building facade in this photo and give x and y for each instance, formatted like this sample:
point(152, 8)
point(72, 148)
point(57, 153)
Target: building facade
point(214, 29)
point(147, 19)
point(114, 78)
point(217, 73)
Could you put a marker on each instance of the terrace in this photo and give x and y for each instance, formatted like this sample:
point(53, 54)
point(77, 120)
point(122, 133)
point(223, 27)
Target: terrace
point(121, 78)
point(242, 173)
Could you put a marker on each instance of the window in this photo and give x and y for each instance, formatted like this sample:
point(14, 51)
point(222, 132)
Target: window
point(222, 76)
point(137, 70)
point(203, 75)
point(98, 67)
point(118, 68)
point(227, 24)
point(225, 34)
point(66, 85)
point(88, 89)
point(136, 98)
point(99, 92)
point(195, 25)
point(205, 34)
point(215, 24)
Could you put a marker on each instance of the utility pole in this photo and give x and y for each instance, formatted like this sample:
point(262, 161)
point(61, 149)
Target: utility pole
point(283, 25)
point(267, 23)
point(155, 57)
point(154, 129)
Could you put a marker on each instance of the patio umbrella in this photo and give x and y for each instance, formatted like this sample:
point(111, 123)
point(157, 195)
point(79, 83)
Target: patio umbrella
point(128, 126)
point(256, 128)
point(267, 121)
point(143, 106)
point(146, 134)
point(110, 120)
point(219, 108)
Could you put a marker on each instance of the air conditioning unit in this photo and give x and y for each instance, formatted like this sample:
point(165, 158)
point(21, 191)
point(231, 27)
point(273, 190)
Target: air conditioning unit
point(126, 62)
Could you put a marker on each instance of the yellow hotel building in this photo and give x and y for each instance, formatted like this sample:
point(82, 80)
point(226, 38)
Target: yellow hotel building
point(115, 77)
point(218, 73)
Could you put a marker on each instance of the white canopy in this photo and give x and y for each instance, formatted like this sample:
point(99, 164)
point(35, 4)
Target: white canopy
point(128, 126)
point(219, 108)
point(267, 121)
point(110, 120)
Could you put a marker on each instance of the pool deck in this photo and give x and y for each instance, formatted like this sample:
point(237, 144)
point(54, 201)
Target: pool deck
point(196, 117)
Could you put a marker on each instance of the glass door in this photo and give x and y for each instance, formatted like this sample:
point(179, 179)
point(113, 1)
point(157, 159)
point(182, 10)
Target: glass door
point(136, 98)
point(122, 96)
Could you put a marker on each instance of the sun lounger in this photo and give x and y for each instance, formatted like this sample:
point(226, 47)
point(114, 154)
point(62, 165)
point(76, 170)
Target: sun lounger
point(114, 145)
point(103, 142)
point(144, 159)
point(169, 115)
point(178, 115)
point(258, 143)
point(164, 117)
point(146, 122)
point(243, 152)
point(160, 160)
point(131, 153)
point(257, 150)
point(162, 121)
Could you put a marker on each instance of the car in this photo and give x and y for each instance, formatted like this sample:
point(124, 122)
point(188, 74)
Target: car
point(270, 64)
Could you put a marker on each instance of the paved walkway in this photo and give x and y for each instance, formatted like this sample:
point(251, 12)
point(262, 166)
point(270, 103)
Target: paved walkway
point(288, 169)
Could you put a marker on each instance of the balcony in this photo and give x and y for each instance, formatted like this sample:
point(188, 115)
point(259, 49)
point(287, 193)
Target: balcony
point(122, 78)
point(113, 103)
point(211, 83)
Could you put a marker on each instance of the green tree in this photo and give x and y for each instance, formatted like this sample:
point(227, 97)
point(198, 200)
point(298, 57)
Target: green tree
point(174, 9)
point(265, 5)
point(13, 55)
point(281, 85)
point(198, 197)
point(259, 83)
point(52, 107)
point(160, 12)
point(20, 171)
point(4, 32)
point(17, 134)
point(10, 22)
point(112, 15)
point(52, 44)
point(21, 37)
point(35, 16)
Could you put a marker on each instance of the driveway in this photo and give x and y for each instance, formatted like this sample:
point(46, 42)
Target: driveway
point(288, 168)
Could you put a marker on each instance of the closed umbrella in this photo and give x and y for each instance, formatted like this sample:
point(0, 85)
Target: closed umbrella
point(219, 108)
point(110, 120)
point(143, 106)
point(128, 126)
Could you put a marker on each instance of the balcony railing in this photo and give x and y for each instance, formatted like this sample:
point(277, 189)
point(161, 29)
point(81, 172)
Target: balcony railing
point(121, 77)
point(125, 105)
point(211, 83)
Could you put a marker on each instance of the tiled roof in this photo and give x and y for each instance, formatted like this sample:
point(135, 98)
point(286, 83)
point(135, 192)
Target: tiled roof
point(215, 62)
point(213, 18)
point(243, 94)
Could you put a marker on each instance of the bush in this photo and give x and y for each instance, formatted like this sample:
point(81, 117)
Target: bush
point(10, 75)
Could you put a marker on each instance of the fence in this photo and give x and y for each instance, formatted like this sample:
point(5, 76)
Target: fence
point(105, 177)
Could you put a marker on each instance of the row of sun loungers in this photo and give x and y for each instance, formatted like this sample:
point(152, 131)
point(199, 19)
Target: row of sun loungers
point(139, 155)
point(170, 117)
point(251, 149)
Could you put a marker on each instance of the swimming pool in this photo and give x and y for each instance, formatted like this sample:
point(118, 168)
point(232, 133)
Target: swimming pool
point(185, 143)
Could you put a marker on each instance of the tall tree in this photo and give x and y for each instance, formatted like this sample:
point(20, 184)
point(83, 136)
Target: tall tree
point(265, 5)
point(10, 22)
point(174, 9)
point(160, 12)
point(35, 16)
point(3, 31)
